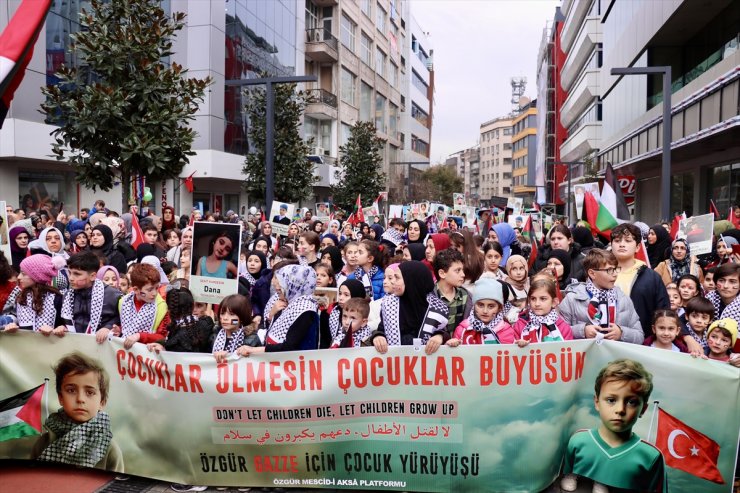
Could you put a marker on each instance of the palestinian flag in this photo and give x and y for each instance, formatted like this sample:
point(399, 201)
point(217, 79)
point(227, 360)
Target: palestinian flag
point(357, 216)
point(612, 206)
point(528, 231)
point(16, 48)
point(20, 415)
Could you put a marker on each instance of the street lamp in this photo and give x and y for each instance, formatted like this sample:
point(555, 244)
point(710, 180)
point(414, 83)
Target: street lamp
point(269, 82)
point(665, 178)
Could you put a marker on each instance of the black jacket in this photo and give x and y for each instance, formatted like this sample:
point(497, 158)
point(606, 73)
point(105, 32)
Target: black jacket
point(648, 294)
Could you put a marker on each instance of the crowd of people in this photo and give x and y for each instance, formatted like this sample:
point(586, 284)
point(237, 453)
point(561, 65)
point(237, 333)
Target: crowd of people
point(395, 285)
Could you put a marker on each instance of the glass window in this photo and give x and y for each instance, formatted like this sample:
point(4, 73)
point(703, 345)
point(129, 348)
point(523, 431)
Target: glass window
point(46, 190)
point(346, 132)
point(380, 112)
point(325, 134)
point(724, 187)
point(380, 62)
point(393, 75)
point(380, 19)
point(366, 102)
point(367, 7)
point(366, 50)
point(418, 82)
point(393, 119)
point(348, 86)
point(419, 115)
point(347, 34)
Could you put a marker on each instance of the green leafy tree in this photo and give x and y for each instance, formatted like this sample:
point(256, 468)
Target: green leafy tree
point(294, 177)
point(124, 110)
point(438, 183)
point(360, 167)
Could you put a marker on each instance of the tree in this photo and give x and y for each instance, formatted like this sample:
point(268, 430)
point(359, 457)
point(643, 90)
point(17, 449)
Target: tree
point(360, 170)
point(124, 111)
point(294, 177)
point(438, 183)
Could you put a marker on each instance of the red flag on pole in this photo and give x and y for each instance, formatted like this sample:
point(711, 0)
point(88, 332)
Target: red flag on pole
point(713, 209)
point(591, 207)
point(676, 224)
point(687, 449)
point(357, 216)
point(641, 253)
point(16, 48)
point(528, 231)
point(189, 182)
point(137, 237)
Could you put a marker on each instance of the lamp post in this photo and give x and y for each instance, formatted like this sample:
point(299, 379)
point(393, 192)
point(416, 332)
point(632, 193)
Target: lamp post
point(665, 178)
point(269, 82)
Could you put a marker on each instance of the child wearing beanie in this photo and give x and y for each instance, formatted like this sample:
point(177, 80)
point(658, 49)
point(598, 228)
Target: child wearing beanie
point(721, 337)
point(486, 323)
point(36, 304)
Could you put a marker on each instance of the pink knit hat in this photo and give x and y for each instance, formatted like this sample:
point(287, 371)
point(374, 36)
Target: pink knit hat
point(41, 268)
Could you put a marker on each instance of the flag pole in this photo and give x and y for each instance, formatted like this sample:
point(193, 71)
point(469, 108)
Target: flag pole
point(46, 401)
point(652, 420)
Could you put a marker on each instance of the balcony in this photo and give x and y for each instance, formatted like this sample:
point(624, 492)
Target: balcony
point(588, 36)
point(325, 3)
point(572, 24)
point(583, 141)
point(321, 46)
point(582, 94)
point(323, 105)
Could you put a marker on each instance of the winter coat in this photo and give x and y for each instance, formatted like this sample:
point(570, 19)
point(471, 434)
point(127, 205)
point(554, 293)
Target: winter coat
point(574, 309)
point(576, 261)
point(648, 294)
point(664, 271)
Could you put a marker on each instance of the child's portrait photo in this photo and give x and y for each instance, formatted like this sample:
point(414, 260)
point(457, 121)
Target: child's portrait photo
point(215, 250)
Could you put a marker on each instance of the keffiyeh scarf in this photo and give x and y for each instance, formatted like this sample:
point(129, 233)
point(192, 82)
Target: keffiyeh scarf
point(296, 307)
point(680, 267)
point(83, 444)
point(334, 320)
point(435, 319)
point(133, 321)
point(701, 339)
point(486, 330)
point(96, 306)
point(237, 340)
point(730, 311)
point(390, 307)
point(343, 340)
point(366, 278)
point(27, 316)
point(600, 303)
point(249, 277)
point(534, 326)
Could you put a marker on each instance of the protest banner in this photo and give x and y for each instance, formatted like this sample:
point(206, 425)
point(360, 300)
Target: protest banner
point(458, 199)
point(473, 418)
point(697, 230)
point(280, 217)
point(214, 265)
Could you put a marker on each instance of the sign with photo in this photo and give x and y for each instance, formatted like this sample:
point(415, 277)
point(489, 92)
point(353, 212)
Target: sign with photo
point(281, 214)
point(515, 204)
point(698, 233)
point(395, 211)
point(322, 211)
point(458, 199)
point(214, 261)
point(468, 215)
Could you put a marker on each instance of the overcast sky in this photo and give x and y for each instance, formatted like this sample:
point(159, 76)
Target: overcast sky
point(478, 46)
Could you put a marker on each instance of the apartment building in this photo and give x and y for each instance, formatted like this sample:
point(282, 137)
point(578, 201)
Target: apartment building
point(524, 150)
point(358, 51)
point(495, 158)
point(226, 39)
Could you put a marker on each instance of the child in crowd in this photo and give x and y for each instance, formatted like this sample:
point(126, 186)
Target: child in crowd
point(666, 329)
point(35, 304)
point(143, 312)
point(541, 321)
point(369, 268)
point(350, 261)
point(254, 264)
point(351, 288)
point(309, 245)
point(721, 337)
point(124, 284)
point(674, 296)
point(688, 287)
point(724, 249)
point(79, 433)
point(708, 284)
point(596, 307)
point(449, 271)
point(354, 330)
point(699, 313)
point(110, 277)
point(89, 306)
point(235, 319)
point(186, 333)
point(486, 323)
point(612, 455)
point(493, 253)
point(325, 277)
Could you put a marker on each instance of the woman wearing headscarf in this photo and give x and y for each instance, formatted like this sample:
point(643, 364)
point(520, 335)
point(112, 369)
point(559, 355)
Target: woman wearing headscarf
point(506, 237)
point(49, 242)
point(101, 241)
point(560, 262)
point(79, 241)
point(413, 311)
point(658, 245)
point(296, 326)
point(250, 278)
point(333, 256)
point(331, 328)
point(19, 240)
point(169, 221)
point(416, 231)
point(517, 277)
point(679, 264)
point(414, 251)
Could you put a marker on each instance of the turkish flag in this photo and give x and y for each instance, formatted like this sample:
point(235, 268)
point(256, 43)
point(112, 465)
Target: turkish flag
point(642, 254)
point(687, 449)
point(137, 237)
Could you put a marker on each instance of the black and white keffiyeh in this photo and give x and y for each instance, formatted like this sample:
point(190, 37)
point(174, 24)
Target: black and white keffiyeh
point(220, 344)
point(486, 330)
point(730, 311)
point(296, 307)
point(81, 444)
point(389, 313)
point(366, 278)
point(599, 304)
point(535, 325)
point(28, 317)
point(435, 319)
point(134, 321)
point(701, 339)
point(249, 277)
point(97, 298)
point(334, 322)
point(343, 340)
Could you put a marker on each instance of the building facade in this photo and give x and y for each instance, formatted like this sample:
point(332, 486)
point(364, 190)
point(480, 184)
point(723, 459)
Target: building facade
point(495, 158)
point(224, 39)
point(524, 151)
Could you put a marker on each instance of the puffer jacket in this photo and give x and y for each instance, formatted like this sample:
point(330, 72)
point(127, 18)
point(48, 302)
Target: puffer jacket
point(574, 309)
